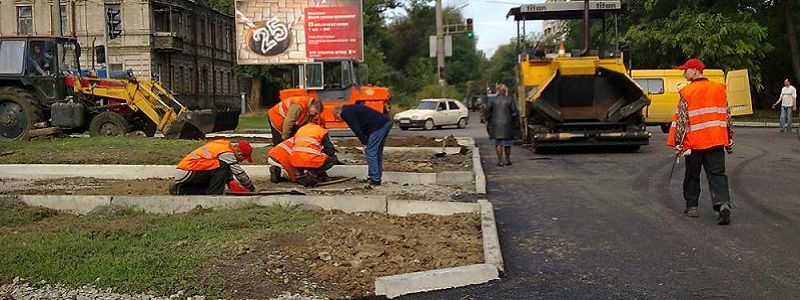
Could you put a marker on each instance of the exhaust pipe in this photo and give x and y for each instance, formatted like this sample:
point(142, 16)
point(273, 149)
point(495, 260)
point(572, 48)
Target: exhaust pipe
point(585, 28)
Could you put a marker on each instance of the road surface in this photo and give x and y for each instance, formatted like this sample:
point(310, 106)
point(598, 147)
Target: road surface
point(609, 225)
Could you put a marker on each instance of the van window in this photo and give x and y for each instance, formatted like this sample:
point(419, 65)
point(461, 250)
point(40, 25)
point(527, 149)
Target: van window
point(651, 85)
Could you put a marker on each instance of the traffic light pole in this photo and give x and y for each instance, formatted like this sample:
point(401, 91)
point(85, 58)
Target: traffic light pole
point(439, 43)
point(105, 41)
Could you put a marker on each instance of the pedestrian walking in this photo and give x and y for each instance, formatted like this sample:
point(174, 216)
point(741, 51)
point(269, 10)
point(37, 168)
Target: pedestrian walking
point(702, 130)
point(788, 101)
point(500, 115)
point(372, 129)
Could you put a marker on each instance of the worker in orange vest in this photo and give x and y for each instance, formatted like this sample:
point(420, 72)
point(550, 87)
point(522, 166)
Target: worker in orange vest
point(278, 157)
point(207, 169)
point(307, 155)
point(702, 131)
point(286, 117)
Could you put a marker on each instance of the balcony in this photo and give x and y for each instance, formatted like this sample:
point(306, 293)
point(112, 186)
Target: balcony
point(167, 42)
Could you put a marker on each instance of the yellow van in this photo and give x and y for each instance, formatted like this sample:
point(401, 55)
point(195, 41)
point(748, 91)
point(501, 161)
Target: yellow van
point(662, 86)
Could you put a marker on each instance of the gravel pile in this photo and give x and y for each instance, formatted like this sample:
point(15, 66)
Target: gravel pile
point(20, 290)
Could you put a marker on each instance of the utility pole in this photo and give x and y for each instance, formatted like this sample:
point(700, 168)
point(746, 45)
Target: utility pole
point(439, 43)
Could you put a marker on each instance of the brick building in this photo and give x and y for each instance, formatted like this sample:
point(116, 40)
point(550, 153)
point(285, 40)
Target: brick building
point(183, 43)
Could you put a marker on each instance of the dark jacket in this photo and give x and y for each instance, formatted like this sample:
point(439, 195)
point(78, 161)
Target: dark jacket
point(363, 121)
point(501, 115)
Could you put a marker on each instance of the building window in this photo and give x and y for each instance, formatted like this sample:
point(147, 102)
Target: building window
point(64, 20)
point(203, 32)
point(24, 19)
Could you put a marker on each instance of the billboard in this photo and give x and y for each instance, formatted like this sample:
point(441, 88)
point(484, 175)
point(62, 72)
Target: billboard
point(270, 32)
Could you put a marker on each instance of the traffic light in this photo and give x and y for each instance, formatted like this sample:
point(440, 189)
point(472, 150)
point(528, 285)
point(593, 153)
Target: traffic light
point(470, 34)
point(113, 21)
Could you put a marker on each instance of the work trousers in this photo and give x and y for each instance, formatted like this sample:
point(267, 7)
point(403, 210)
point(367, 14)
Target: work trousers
point(374, 152)
point(786, 118)
point(277, 138)
point(208, 182)
point(711, 160)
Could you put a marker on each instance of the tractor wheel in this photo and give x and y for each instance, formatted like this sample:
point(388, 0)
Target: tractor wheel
point(462, 123)
point(428, 124)
point(149, 128)
point(109, 124)
point(19, 111)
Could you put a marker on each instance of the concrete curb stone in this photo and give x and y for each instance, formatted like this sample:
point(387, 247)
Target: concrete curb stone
point(491, 241)
point(410, 207)
point(398, 285)
point(477, 167)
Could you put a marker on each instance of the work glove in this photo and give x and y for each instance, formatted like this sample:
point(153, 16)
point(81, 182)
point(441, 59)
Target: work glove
point(729, 146)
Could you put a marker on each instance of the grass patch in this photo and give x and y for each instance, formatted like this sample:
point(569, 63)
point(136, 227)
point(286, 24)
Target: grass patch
point(253, 120)
point(97, 150)
point(133, 251)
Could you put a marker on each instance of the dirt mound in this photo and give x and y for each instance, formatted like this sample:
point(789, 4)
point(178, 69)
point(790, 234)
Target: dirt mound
point(410, 141)
point(340, 256)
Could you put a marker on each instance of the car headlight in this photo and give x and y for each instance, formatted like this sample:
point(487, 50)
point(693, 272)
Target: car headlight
point(415, 117)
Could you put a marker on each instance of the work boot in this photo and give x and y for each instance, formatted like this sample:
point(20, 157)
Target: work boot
point(691, 212)
point(274, 174)
point(724, 215)
point(173, 189)
point(508, 162)
point(308, 180)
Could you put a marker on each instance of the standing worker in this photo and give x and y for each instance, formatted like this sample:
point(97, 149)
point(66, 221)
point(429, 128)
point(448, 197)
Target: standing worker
point(288, 116)
point(788, 101)
point(371, 128)
point(702, 130)
point(500, 115)
point(207, 169)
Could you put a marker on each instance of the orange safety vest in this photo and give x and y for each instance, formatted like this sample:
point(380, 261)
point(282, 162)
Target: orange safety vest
point(708, 115)
point(281, 154)
point(277, 114)
point(307, 149)
point(206, 157)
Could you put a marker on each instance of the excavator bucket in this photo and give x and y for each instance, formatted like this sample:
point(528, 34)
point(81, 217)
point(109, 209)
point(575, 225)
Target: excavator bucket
point(197, 123)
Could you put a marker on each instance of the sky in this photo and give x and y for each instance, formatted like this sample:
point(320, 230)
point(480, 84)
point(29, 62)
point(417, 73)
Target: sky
point(489, 21)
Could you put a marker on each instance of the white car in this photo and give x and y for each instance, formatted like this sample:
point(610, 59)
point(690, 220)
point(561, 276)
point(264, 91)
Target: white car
point(434, 113)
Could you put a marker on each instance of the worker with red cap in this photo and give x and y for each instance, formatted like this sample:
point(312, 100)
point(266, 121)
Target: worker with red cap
point(206, 170)
point(702, 131)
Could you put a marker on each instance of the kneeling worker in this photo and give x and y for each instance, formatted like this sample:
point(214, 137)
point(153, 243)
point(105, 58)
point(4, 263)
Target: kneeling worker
point(207, 169)
point(307, 156)
point(371, 128)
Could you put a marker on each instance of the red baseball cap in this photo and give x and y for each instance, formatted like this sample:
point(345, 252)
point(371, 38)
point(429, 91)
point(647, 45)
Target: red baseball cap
point(692, 63)
point(246, 149)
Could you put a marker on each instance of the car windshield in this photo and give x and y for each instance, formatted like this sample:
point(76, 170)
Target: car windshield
point(427, 105)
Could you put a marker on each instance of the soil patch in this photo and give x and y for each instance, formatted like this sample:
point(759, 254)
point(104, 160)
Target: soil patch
point(412, 161)
point(409, 141)
point(341, 255)
point(149, 187)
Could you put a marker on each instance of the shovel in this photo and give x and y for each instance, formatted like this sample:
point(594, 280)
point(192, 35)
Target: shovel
point(335, 181)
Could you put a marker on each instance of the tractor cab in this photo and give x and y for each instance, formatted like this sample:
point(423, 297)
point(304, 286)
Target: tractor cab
point(338, 82)
point(43, 63)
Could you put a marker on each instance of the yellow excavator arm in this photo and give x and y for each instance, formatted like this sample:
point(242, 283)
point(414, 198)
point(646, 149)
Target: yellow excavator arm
point(159, 104)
